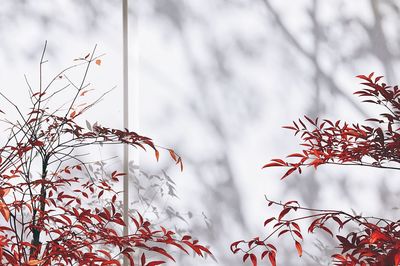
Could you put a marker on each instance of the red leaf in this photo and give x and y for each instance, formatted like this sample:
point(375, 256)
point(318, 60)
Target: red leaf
point(155, 263)
point(377, 235)
point(295, 225)
point(291, 170)
point(234, 245)
point(290, 127)
point(143, 259)
point(268, 220)
point(370, 75)
point(272, 165)
point(295, 155)
point(272, 259)
point(186, 237)
point(283, 232)
point(326, 230)
point(119, 221)
point(181, 247)
point(339, 257)
point(37, 143)
point(253, 259)
point(265, 253)
point(309, 120)
point(283, 213)
point(162, 252)
point(271, 247)
point(282, 162)
point(111, 262)
point(298, 234)
point(397, 259)
point(203, 248)
point(363, 77)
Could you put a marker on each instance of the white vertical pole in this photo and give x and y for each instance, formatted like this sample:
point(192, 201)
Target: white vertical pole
point(126, 115)
point(134, 77)
point(130, 96)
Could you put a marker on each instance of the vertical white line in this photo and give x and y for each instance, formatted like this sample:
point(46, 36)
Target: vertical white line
point(134, 77)
point(130, 95)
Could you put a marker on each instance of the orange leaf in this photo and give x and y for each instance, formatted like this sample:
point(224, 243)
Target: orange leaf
point(4, 192)
point(98, 62)
point(34, 262)
point(173, 155)
point(4, 211)
point(299, 248)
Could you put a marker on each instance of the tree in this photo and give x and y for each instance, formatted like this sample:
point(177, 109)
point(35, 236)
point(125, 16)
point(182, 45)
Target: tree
point(375, 241)
point(50, 199)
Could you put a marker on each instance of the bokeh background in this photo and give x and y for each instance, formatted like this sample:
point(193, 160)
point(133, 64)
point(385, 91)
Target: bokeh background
point(216, 80)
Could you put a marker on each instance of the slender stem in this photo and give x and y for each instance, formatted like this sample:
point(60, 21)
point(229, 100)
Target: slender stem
point(36, 220)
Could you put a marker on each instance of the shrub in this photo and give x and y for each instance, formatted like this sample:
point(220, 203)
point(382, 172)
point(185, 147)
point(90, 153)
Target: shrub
point(46, 188)
point(375, 241)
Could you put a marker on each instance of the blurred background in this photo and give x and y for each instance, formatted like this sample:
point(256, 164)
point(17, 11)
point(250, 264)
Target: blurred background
point(216, 80)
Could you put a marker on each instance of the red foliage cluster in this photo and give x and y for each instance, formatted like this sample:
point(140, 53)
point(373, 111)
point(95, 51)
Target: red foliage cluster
point(341, 143)
point(50, 209)
point(376, 240)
